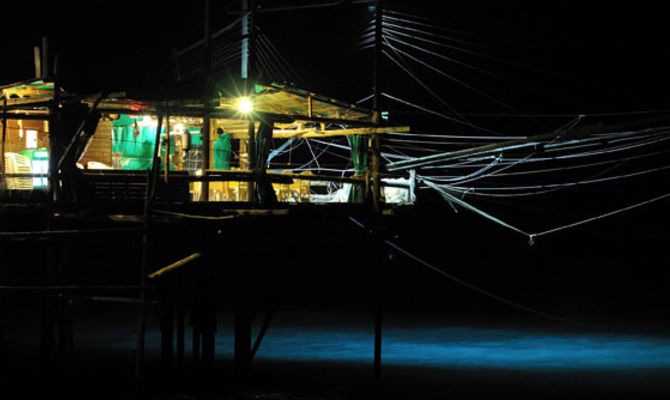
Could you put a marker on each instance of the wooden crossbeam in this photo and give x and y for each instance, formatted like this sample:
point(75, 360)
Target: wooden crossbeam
point(312, 133)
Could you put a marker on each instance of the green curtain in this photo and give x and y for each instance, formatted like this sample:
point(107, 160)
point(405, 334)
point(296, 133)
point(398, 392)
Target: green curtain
point(359, 156)
point(136, 151)
point(222, 151)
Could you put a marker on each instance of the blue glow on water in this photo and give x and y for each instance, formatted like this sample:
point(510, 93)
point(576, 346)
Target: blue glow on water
point(467, 348)
point(442, 347)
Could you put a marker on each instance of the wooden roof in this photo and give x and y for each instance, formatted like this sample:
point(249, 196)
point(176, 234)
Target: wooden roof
point(296, 112)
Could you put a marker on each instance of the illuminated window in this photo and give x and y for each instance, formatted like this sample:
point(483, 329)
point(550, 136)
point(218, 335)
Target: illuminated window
point(31, 139)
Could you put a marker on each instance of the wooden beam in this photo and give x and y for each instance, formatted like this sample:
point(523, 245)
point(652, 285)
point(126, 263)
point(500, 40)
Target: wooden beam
point(222, 113)
point(326, 178)
point(45, 81)
point(174, 266)
point(29, 103)
point(27, 117)
point(313, 133)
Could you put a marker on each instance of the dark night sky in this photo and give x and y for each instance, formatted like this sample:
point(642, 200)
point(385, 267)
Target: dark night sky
point(593, 57)
point(585, 57)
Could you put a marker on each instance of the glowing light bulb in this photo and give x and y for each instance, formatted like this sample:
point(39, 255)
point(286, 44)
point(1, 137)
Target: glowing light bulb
point(245, 105)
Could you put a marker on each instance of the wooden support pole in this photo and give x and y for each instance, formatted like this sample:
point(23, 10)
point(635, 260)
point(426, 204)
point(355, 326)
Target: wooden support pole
point(180, 322)
point(247, 74)
point(146, 254)
point(376, 190)
point(205, 156)
point(208, 342)
point(54, 144)
point(48, 323)
point(3, 318)
point(207, 315)
point(153, 177)
point(47, 334)
point(196, 345)
point(376, 106)
point(37, 61)
point(4, 140)
point(64, 319)
point(166, 309)
point(251, 152)
point(378, 304)
point(242, 351)
point(206, 122)
point(166, 312)
point(261, 333)
point(45, 57)
point(167, 150)
point(176, 71)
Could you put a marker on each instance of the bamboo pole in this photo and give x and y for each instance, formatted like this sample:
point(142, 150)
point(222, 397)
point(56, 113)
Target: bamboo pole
point(174, 266)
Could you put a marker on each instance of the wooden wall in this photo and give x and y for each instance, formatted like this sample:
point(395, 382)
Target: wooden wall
point(15, 144)
point(100, 148)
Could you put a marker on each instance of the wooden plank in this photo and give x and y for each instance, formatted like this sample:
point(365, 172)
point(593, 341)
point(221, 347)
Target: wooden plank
point(29, 102)
point(313, 133)
point(22, 116)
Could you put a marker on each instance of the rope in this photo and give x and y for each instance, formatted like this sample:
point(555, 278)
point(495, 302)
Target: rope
point(429, 111)
point(560, 185)
point(531, 236)
point(596, 218)
point(477, 289)
point(408, 70)
point(364, 99)
point(454, 199)
point(448, 76)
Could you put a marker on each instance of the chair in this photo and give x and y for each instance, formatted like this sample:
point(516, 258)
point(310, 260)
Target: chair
point(18, 164)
